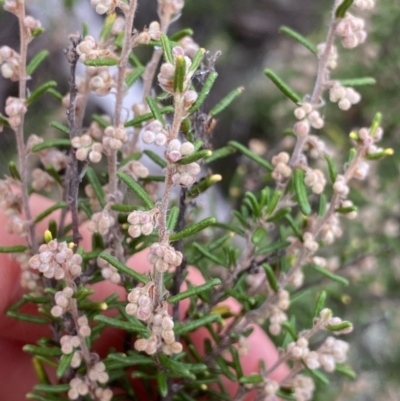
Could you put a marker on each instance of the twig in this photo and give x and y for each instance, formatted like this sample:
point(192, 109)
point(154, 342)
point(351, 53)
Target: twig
point(74, 178)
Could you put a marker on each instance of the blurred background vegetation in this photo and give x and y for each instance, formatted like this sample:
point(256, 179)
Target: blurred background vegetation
point(246, 31)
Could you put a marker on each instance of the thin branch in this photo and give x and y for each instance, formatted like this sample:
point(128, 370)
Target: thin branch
point(73, 178)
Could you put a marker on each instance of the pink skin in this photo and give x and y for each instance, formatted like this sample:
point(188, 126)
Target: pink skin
point(16, 366)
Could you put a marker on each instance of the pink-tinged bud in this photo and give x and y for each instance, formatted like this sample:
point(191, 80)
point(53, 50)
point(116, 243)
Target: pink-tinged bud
point(299, 113)
point(344, 104)
point(161, 139)
point(350, 41)
point(174, 155)
point(148, 137)
point(187, 148)
point(301, 128)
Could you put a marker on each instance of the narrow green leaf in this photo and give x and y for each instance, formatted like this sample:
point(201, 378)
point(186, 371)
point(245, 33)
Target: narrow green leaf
point(65, 363)
point(254, 378)
point(346, 371)
point(198, 57)
point(38, 397)
point(276, 195)
point(272, 280)
point(162, 384)
point(258, 235)
point(107, 26)
point(322, 205)
point(376, 122)
point(193, 229)
point(136, 188)
point(320, 303)
point(146, 117)
point(39, 369)
point(299, 38)
point(134, 60)
point(194, 291)
point(52, 388)
point(127, 326)
point(205, 90)
point(175, 367)
point(219, 154)
point(195, 156)
point(36, 61)
point(279, 214)
point(285, 396)
point(180, 74)
point(100, 120)
point(51, 209)
point(55, 93)
point(358, 81)
point(343, 7)
point(27, 318)
point(101, 62)
point(282, 86)
point(51, 143)
point(345, 210)
point(301, 191)
point(166, 46)
point(97, 188)
point(294, 226)
point(257, 159)
point(4, 121)
point(13, 249)
point(123, 268)
point(331, 168)
point(13, 169)
point(42, 351)
point(254, 203)
point(60, 127)
point(40, 90)
point(156, 159)
point(221, 363)
point(329, 274)
point(339, 327)
point(275, 246)
point(85, 29)
point(319, 376)
point(124, 208)
point(133, 76)
point(36, 300)
point(172, 218)
point(177, 36)
point(54, 173)
point(208, 254)
point(203, 185)
point(226, 101)
point(290, 329)
point(130, 360)
point(155, 109)
point(182, 328)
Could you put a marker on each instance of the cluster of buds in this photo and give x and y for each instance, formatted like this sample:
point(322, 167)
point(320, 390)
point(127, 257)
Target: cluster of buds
point(189, 46)
point(101, 222)
point(136, 169)
point(83, 326)
point(15, 109)
point(153, 32)
point(333, 323)
point(270, 388)
point(331, 352)
point(351, 30)
point(315, 179)
point(55, 259)
point(186, 174)
point(155, 133)
point(97, 373)
point(276, 312)
point(69, 344)
point(108, 271)
point(29, 279)
point(167, 72)
point(41, 180)
point(32, 25)
point(62, 301)
point(16, 225)
point(96, 131)
point(9, 202)
point(364, 4)
point(340, 186)
point(101, 82)
point(331, 229)
point(81, 386)
point(142, 223)
point(314, 146)
point(86, 147)
point(141, 302)
point(176, 150)
point(345, 97)
point(88, 49)
point(10, 63)
point(114, 138)
point(308, 116)
point(309, 242)
point(104, 6)
point(281, 169)
point(164, 257)
point(171, 6)
point(303, 387)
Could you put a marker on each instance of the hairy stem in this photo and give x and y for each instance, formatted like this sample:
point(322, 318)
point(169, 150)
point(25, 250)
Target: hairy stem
point(19, 131)
point(73, 178)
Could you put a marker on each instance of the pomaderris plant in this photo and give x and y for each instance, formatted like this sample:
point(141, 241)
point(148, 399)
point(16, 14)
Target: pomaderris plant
point(148, 250)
